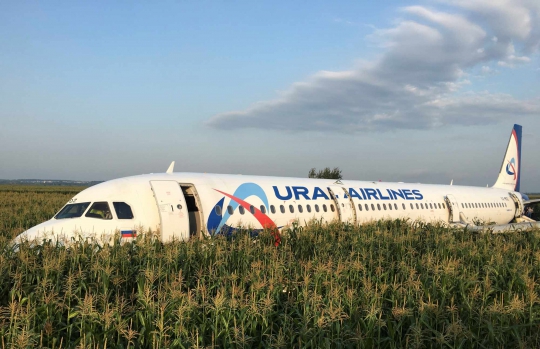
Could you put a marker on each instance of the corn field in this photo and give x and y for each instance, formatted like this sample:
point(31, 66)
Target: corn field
point(390, 284)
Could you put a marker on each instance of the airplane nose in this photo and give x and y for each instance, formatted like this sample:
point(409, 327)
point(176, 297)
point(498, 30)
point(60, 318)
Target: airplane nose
point(31, 234)
point(36, 233)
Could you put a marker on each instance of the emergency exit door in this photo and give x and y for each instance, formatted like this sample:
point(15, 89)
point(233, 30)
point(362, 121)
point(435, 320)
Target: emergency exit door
point(345, 205)
point(453, 208)
point(172, 209)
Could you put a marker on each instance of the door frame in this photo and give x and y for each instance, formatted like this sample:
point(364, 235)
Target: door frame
point(453, 208)
point(337, 201)
point(202, 229)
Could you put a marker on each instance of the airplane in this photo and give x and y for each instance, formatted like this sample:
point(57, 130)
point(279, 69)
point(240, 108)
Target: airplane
point(182, 205)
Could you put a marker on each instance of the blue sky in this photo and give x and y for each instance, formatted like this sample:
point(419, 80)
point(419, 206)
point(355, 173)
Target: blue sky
point(422, 91)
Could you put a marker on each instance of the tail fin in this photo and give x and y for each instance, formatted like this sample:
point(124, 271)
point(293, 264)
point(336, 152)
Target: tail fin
point(509, 177)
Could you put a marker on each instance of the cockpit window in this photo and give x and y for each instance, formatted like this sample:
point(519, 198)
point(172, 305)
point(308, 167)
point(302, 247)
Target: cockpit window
point(123, 210)
point(99, 210)
point(72, 210)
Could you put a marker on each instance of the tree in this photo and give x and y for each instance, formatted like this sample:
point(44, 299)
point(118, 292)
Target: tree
point(326, 173)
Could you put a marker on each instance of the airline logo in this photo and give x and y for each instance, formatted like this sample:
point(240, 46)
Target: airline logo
point(217, 223)
point(511, 168)
point(297, 192)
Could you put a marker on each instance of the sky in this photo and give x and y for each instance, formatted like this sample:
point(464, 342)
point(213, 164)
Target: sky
point(413, 91)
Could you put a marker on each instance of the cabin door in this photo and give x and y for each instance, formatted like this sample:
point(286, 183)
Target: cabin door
point(453, 208)
point(344, 204)
point(172, 209)
point(518, 204)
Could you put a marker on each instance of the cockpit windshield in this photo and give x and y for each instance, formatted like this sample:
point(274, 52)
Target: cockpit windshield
point(72, 210)
point(99, 210)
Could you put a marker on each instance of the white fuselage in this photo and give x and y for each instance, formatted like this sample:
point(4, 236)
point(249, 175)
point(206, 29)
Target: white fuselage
point(182, 204)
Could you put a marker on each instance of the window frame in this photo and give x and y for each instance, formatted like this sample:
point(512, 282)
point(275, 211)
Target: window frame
point(99, 202)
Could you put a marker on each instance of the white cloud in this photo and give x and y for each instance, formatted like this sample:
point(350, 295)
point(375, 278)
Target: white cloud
point(415, 84)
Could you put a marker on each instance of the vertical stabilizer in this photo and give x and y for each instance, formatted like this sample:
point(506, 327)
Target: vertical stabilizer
point(509, 176)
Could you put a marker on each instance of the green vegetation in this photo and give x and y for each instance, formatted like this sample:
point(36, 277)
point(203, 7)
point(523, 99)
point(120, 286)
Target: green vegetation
point(388, 284)
point(325, 173)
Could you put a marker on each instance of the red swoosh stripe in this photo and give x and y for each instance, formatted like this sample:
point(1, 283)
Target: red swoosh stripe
point(263, 219)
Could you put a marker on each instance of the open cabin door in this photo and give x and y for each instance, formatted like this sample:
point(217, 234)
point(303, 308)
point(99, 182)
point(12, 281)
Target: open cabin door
point(173, 211)
point(518, 204)
point(344, 204)
point(194, 208)
point(453, 208)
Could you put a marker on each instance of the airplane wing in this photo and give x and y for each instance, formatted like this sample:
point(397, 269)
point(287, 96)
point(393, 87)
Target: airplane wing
point(530, 202)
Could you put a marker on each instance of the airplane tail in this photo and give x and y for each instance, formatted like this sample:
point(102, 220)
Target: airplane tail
point(509, 176)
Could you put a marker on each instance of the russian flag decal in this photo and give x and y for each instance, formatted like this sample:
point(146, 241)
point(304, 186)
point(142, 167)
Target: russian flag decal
point(129, 233)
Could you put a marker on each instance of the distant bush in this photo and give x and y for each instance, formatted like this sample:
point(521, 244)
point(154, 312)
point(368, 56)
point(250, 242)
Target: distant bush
point(325, 173)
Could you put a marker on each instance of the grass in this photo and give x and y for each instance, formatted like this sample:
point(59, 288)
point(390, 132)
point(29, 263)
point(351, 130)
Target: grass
point(389, 284)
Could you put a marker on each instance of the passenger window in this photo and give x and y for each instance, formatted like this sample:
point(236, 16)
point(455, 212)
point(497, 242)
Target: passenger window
point(412, 206)
point(291, 208)
point(308, 208)
point(230, 209)
point(431, 206)
point(404, 207)
point(372, 207)
point(384, 206)
point(367, 207)
point(263, 209)
point(99, 210)
point(241, 209)
point(324, 208)
point(390, 206)
point(272, 209)
point(217, 209)
point(282, 208)
point(359, 207)
point(72, 210)
point(252, 209)
point(417, 206)
point(379, 207)
point(332, 207)
point(300, 209)
point(395, 207)
point(316, 208)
